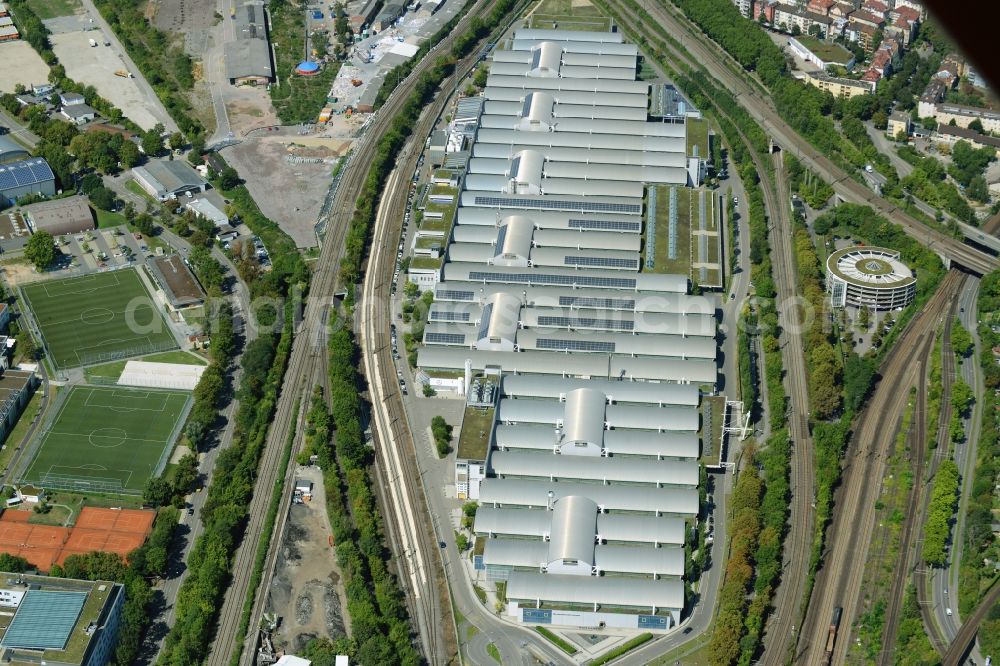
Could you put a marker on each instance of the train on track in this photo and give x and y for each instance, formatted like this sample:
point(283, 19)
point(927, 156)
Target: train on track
point(831, 638)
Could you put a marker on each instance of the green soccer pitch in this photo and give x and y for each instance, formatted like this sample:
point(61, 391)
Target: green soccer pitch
point(97, 318)
point(108, 440)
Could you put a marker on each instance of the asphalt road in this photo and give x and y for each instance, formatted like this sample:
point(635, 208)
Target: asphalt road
point(944, 582)
point(18, 131)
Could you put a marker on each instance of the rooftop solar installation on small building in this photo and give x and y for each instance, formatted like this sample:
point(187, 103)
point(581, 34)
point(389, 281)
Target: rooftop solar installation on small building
point(44, 620)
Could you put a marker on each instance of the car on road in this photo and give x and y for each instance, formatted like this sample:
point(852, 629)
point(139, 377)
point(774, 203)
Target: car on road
point(947, 611)
point(190, 511)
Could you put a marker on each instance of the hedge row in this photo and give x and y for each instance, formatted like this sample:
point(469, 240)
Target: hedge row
point(937, 530)
point(380, 631)
point(224, 514)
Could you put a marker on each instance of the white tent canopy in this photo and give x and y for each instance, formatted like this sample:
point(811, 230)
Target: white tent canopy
point(161, 375)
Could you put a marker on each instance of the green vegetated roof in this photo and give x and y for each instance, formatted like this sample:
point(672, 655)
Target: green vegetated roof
point(475, 436)
point(827, 51)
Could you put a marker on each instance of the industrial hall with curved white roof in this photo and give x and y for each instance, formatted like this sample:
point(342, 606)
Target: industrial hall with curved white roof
point(584, 363)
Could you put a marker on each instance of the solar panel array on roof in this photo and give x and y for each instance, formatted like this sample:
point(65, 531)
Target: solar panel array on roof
point(551, 203)
point(44, 620)
point(25, 173)
point(544, 278)
point(445, 338)
point(556, 344)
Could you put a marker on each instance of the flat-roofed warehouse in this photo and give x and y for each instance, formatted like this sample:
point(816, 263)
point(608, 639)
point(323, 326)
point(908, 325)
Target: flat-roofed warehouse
point(60, 216)
point(168, 179)
point(248, 58)
point(178, 283)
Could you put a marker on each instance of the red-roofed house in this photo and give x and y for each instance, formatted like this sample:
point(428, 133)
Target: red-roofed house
point(821, 7)
point(882, 62)
point(894, 48)
point(872, 76)
point(875, 7)
point(840, 9)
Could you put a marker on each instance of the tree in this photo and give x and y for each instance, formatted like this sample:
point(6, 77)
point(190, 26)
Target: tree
point(157, 492)
point(197, 149)
point(977, 125)
point(411, 289)
point(977, 189)
point(152, 141)
point(40, 250)
point(228, 178)
point(796, 30)
point(880, 120)
point(129, 154)
point(176, 141)
point(144, 223)
point(103, 198)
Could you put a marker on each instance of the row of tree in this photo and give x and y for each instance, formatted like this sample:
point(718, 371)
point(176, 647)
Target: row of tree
point(380, 631)
point(937, 530)
point(224, 514)
point(725, 646)
point(163, 62)
point(442, 435)
point(392, 141)
point(980, 551)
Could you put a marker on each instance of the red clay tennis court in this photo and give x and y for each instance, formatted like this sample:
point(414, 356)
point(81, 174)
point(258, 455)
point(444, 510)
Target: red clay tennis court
point(107, 530)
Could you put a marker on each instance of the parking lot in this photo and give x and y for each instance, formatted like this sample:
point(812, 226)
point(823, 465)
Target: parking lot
point(20, 65)
point(96, 66)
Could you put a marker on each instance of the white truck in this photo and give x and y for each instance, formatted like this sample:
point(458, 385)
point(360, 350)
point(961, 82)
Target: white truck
point(93, 43)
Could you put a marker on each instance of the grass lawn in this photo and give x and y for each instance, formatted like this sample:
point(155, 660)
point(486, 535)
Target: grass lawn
point(179, 357)
point(100, 317)
point(47, 9)
point(424, 263)
point(680, 264)
point(17, 433)
point(107, 219)
point(108, 439)
point(107, 371)
point(114, 369)
point(570, 15)
point(134, 187)
point(697, 135)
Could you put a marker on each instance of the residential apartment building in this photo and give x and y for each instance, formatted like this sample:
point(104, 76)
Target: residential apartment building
point(789, 17)
point(933, 94)
point(745, 7)
point(899, 121)
point(839, 87)
point(964, 115)
point(953, 134)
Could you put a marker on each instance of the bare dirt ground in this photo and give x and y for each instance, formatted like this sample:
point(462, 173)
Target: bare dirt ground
point(289, 194)
point(190, 18)
point(306, 591)
point(249, 108)
point(21, 64)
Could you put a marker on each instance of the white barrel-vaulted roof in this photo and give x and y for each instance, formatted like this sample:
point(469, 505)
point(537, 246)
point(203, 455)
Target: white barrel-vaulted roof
point(606, 140)
point(584, 155)
point(593, 108)
point(610, 526)
point(675, 473)
point(556, 35)
point(543, 437)
point(632, 416)
point(580, 299)
point(697, 371)
point(568, 277)
point(468, 233)
point(648, 499)
point(543, 219)
point(666, 561)
point(528, 84)
point(534, 386)
point(596, 590)
point(568, 57)
point(574, 46)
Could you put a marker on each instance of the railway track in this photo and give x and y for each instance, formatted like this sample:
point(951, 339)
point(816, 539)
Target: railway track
point(790, 593)
point(921, 572)
point(708, 56)
point(838, 582)
point(308, 363)
point(780, 631)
